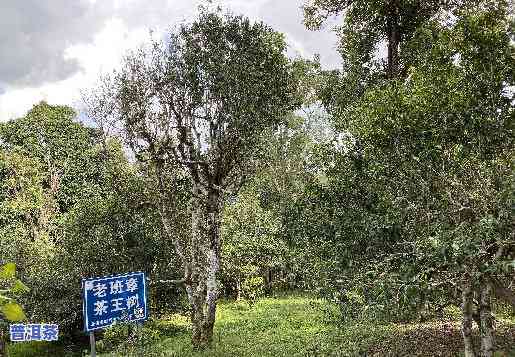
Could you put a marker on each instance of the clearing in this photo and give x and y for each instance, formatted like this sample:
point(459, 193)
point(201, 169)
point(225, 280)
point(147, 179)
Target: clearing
point(288, 326)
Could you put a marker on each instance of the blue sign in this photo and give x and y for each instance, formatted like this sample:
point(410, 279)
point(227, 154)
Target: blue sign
point(33, 332)
point(107, 300)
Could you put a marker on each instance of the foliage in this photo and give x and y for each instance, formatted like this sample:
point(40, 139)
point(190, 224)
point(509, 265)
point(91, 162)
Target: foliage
point(250, 246)
point(409, 205)
point(10, 286)
point(252, 288)
point(369, 26)
point(72, 209)
point(419, 196)
point(44, 349)
point(453, 211)
point(126, 338)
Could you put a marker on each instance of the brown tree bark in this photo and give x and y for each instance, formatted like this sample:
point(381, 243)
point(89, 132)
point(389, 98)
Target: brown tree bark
point(466, 327)
point(394, 39)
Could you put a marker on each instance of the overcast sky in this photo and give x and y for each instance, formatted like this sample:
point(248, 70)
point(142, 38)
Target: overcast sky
point(51, 49)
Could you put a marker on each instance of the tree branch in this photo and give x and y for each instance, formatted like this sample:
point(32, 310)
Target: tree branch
point(505, 294)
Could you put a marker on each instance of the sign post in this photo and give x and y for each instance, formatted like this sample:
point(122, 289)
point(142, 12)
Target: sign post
point(113, 299)
point(92, 343)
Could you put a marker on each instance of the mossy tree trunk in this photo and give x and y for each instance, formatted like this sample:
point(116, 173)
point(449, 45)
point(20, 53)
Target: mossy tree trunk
point(487, 326)
point(3, 345)
point(202, 288)
point(467, 311)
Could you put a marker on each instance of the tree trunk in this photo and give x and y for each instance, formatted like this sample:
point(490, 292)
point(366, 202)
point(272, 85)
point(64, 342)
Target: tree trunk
point(205, 264)
point(197, 301)
point(3, 346)
point(393, 41)
point(487, 328)
point(238, 289)
point(267, 279)
point(466, 329)
point(202, 262)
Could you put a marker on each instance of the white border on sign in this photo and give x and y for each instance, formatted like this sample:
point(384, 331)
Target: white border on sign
point(85, 297)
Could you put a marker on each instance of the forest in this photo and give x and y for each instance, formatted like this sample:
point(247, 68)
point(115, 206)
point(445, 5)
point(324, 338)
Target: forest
point(277, 208)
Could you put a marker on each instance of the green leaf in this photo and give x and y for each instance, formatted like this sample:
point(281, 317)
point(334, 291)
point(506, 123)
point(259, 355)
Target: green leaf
point(13, 312)
point(4, 299)
point(8, 271)
point(19, 288)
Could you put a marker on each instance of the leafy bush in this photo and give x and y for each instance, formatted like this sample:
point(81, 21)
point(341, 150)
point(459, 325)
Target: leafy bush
point(10, 286)
point(124, 338)
point(252, 288)
point(72, 207)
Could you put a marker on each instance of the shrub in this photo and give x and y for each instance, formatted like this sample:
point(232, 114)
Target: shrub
point(252, 288)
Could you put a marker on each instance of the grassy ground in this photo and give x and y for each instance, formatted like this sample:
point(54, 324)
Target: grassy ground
point(301, 326)
point(293, 326)
point(42, 349)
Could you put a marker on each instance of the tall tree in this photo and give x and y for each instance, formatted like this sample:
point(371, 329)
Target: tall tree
point(369, 23)
point(368, 28)
point(437, 162)
point(199, 102)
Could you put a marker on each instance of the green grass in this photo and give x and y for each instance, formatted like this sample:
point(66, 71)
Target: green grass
point(293, 326)
point(288, 326)
point(40, 349)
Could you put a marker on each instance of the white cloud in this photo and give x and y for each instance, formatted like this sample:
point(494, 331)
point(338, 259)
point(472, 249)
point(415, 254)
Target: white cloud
point(126, 27)
point(100, 56)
